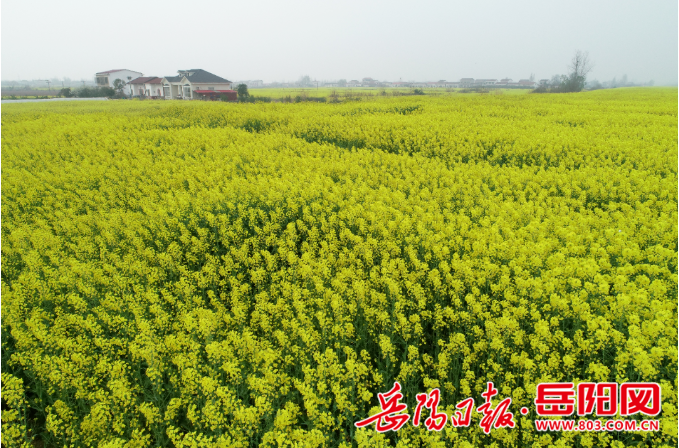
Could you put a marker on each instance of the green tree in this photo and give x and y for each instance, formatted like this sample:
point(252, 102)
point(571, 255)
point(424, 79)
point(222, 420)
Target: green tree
point(118, 86)
point(242, 90)
point(95, 92)
point(66, 93)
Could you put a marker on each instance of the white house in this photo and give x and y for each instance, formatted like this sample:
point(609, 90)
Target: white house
point(527, 83)
point(148, 86)
point(107, 78)
point(188, 82)
point(485, 82)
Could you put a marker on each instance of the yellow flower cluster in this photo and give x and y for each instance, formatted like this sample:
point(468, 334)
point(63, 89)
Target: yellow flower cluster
point(236, 275)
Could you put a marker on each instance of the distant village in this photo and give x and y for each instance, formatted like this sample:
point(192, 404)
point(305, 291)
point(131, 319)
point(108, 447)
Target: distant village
point(370, 82)
point(201, 84)
point(187, 84)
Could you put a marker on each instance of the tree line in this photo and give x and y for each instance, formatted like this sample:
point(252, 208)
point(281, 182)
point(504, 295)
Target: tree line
point(574, 81)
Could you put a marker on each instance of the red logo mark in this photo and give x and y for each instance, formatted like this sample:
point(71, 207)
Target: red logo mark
point(635, 398)
point(430, 401)
point(555, 399)
point(590, 394)
point(463, 419)
point(498, 417)
point(389, 403)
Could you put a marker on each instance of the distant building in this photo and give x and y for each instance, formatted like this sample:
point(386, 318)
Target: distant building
point(484, 82)
point(354, 83)
point(527, 83)
point(466, 82)
point(107, 78)
point(253, 84)
point(194, 84)
point(440, 83)
point(146, 86)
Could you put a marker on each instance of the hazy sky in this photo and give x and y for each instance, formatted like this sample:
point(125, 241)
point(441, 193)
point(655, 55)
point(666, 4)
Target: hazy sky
point(387, 40)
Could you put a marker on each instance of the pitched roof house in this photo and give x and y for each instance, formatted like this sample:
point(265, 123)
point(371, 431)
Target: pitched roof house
point(146, 86)
point(189, 84)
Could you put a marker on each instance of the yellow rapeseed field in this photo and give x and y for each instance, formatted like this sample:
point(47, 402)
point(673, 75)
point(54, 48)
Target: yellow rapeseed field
point(197, 274)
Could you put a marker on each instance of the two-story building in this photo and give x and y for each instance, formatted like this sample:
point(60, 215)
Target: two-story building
point(108, 77)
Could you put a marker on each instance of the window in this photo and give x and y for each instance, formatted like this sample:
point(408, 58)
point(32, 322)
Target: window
point(129, 77)
point(166, 90)
point(211, 88)
point(187, 91)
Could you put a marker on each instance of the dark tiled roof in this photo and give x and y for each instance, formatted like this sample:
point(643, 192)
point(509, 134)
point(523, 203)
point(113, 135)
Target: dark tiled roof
point(173, 78)
point(200, 75)
point(142, 80)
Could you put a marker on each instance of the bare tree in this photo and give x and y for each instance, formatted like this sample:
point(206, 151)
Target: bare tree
point(578, 70)
point(581, 66)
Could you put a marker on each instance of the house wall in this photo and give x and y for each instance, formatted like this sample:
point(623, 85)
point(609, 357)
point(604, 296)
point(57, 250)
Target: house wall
point(125, 75)
point(136, 89)
point(215, 86)
point(176, 89)
point(140, 89)
point(154, 89)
